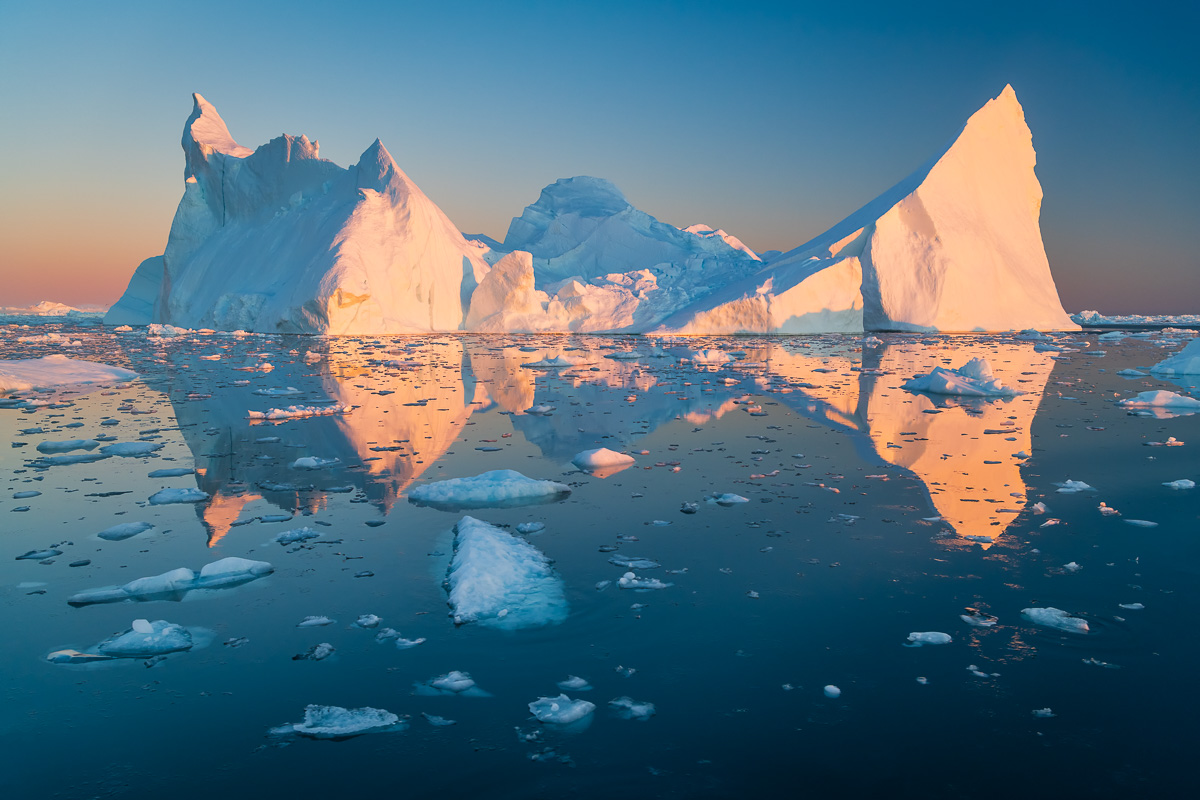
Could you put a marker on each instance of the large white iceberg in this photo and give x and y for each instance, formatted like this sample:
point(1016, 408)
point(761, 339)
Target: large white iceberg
point(498, 580)
point(280, 240)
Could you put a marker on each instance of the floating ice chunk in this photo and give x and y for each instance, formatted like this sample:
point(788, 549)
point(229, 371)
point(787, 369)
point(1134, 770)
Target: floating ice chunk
point(166, 496)
point(318, 652)
point(131, 449)
point(931, 637)
point(978, 620)
point(1038, 508)
point(541, 409)
point(278, 392)
point(631, 581)
point(1185, 362)
point(501, 488)
point(1051, 617)
point(296, 535)
point(1072, 567)
point(574, 683)
point(218, 574)
point(146, 639)
point(436, 721)
point(67, 446)
point(628, 708)
point(832, 691)
point(70, 458)
point(76, 657)
point(1132, 373)
point(560, 710)
point(631, 562)
point(1141, 523)
point(57, 370)
point(1043, 713)
point(124, 530)
point(335, 722)
point(452, 683)
point(728, 499)
point(297, 412)
point(368, 621)
point(1182, 483)
point(1161, 398)
point(407, 644)
point(531, 527)
point(25, 495)
point(558, 362)
point(1132, 606)
point(973, 379)
point(39, 555)
point(172, 472)
point(498, 580)
point(710, 356)
point(601, 458)
point(314, 463)
point(1071, 487)
point(315, 622)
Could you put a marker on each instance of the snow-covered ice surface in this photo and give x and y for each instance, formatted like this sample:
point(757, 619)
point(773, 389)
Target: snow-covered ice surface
point(277, 239)
point(869, 512)
point(500, 488)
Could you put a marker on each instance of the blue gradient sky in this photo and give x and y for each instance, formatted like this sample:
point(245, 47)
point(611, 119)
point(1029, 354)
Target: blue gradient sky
point(771, 120)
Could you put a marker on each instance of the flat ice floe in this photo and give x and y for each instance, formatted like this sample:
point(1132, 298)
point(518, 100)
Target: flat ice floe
point(501, 488)
point(498, 580)
point(67, 446)
point(297, 412)
point(452, 683)
point(146, 639)
point(124, 530)
point(167, 496)
point(57, 370)
point(1161, 398)
point(628, 708)
point(929, 637)
point(1051, 617)
point(335, 722)
point(973, 379)
point(174, 584)
point(560, 710)
point(1185, 362)
point(131, 449)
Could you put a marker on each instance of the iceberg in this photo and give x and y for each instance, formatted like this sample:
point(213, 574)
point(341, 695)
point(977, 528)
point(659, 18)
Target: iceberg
point(1161, 398)
point(500, 488)
point(498, 580)
point(560, 710)
point(1185, 362)
point(973, 379)
point(1056, 618)
point(602, 460)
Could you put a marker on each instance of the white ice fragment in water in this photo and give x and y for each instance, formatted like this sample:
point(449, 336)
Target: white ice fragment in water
point(973, 379)
point(633, 562)
point(296, 535)
point(632, 581)
point(1185, 362)
point(575, 684)
point(314, 463)
point(499, 580)
point(165, 496)
point(142, 626)
point(1043, 713)
point(501, 488)
point(628, 708)
point(406, 644)
point(530, 527)
point(315, 622)
point(335, 722)
point(131, 449)
point(1070, 487)
point(146, 639)
point(368, 621)
point(1038, 508)
point(600, 458)
point(452, 683)
point(920, 639)
point(1132, 606)
point(1161, 398)
point(728, 499)
point(978, 620)
point(560, 710)
point(1051, 617)
point(67, 446)
point(124, 530)
point(436, 721)
point(1182, 483)
point(832, 691)
point(1141, 523)
point(1072, 567)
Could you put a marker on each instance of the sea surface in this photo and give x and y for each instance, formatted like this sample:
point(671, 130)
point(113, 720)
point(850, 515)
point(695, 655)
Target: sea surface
point(871, 513)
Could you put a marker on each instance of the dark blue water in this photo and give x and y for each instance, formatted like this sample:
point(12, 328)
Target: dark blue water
point(873, 513)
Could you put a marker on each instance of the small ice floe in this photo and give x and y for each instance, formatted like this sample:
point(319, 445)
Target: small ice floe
point(557, 362)
point(318, 652)
point(368, 621)
point(1132, 373)
point(335, 722)
point(124, 530)
point(727, 499)
point(408, 644)
point(171, 585)
point(923, 681)
point(1043, 713)
point(436, 721)
point(1107, 510)
point(1185, 362)
point(315, 622)
point(632, 562)
point(1038, 508)
point(1132, 606)
point(278, 392)
point(1056, 618)
point(631, 581)
point(498, 580)
point(832, 691)
point(628, 708)
point(501, 488)
point(171, 472)
point(978, 620)
point(315, 463)
point(530, 527)
point(39, 555)
point(920, 639)
point(167, 496)
point(973, 379)
point(296, 535)
point(540, 410)
point(297, 412)
point(25, 495)
point(574, 683)
point(1072, 567)
point(560, 710)
point(1161, 398)
point(76, 657)
point(70, 458)
point(978, 673)
point(67, 446)
point(601, 585)
point(452, 683)
point(602, 462)
point(689, 508)
point(131, 449)
point(1071, 487)
point(1182, 483)
point(1141, 523)
point(146, 639)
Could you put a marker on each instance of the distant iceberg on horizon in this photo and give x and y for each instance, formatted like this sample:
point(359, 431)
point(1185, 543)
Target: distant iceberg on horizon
point(279, 240)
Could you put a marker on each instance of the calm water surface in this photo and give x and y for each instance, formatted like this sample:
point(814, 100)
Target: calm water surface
point(873, 512)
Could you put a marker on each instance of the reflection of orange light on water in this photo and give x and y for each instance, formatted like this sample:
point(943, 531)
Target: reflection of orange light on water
point(222, 511)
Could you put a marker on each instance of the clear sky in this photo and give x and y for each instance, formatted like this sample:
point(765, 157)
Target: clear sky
point(770, 120)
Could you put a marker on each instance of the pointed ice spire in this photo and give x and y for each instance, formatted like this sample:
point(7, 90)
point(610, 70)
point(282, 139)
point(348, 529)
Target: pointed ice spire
point(206, 128)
